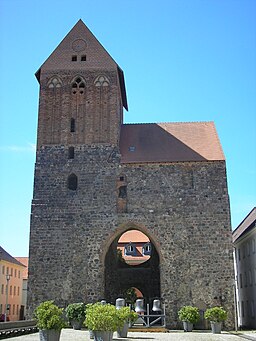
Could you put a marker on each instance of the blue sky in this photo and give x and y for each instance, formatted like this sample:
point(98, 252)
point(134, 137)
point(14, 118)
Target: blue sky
point(184, 60)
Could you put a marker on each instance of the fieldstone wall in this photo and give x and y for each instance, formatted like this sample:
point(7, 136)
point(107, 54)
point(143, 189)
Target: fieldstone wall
point(182, 207)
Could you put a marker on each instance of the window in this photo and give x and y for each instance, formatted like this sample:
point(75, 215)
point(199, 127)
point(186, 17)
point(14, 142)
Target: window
point(7, 270)
point(11, 271)
point(101, 81)
point(72, 182)
point(122, 192)
point(121, 178)
point(146, 250)
point(74, 58)
point(242, 308)
point(132, 149)
point(83, 58)
point(19, 274)
point(14, 291)
point(71, 152)
point(1, 308)
point(250, 277)
point(78, 85)
point(2, 289)
point(3, 269)
point(11, 290)
point(241, 280)
point(245, 279)
point(17, 311)
point(15, 273)
point(72, 125)
point(18, 291)
point(13, 309)
point(130, 250)
point(239, 256)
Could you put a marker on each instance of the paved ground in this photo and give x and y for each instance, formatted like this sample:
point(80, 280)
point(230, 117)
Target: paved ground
point(82, 335)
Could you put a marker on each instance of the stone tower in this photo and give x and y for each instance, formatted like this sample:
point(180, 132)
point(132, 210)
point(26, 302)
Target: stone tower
point(96, 178)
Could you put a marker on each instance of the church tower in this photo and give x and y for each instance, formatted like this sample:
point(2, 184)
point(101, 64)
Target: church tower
point(82, 95)
point(97, 178)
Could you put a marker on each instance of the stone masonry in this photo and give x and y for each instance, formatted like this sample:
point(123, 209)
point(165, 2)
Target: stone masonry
point(78, 213)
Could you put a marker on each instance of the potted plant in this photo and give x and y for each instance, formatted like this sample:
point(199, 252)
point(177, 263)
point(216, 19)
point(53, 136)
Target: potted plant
point(75, 313)
point(126, 316)
point(50, 321)
point(103, 320)
point(216, 315)
point(189, 315)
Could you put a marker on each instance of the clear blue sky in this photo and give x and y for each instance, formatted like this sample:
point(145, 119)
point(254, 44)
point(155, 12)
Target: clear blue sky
point(184, 60)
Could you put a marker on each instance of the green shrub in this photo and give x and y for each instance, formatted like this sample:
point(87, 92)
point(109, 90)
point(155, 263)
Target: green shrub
point(75, 311)
point(49, 316)
point(125, 314)
point(189, 314)
point(215, 314)
point(101, 317)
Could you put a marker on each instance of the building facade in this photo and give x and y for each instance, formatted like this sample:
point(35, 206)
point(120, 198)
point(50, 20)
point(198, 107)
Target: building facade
point(10, 286)
point(244, 239)
point(96, 178)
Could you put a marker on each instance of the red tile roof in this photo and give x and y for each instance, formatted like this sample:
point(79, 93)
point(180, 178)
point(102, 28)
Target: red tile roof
point(134, 236)
point(24, 261)
point(170, 142)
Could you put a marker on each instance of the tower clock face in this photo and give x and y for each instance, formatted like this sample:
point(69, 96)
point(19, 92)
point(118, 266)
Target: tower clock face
point(78, 45)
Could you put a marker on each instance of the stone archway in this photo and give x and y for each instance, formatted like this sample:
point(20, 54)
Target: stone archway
point(120, 276)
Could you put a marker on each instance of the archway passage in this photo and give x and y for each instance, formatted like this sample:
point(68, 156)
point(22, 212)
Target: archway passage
point(120, 276)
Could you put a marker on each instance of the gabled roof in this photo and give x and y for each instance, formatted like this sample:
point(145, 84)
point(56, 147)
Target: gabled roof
point(245, 226)
point(80, 41)
point(4, 255)
point(170, 142)
point(24, 261)
point(134, 236)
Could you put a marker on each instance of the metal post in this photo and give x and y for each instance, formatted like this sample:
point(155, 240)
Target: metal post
point(7, 289)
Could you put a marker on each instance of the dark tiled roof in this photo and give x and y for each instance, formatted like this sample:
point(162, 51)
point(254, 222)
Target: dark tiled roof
point(170, 142)
point(245, 226)
point(4, 255)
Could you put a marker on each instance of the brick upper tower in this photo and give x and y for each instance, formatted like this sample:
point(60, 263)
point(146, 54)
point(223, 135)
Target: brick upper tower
point(82, 93)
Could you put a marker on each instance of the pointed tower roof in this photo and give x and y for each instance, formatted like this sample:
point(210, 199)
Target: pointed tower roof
point(81, 42)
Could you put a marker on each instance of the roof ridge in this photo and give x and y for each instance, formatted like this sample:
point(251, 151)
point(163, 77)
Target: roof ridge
point(187, 122)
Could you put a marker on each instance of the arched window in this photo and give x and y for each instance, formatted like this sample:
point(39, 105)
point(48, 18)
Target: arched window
point(130, 249)
point(146, 250)
point(72, 182)
point(101, 81)
point(54, 82)
point(78, 85)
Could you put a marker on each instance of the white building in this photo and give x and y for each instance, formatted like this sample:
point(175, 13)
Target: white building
point(244, 239)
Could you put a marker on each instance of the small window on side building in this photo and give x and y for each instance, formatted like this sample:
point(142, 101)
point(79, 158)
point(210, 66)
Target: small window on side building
point(72, 182)
point(72, 125)
point(74, 58)
point(71, 152)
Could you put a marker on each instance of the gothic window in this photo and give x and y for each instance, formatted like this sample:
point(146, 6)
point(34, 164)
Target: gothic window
point(78, 85)
point(130, 249)
point(146, 250)
point(71, 152)
point(72, 182)
point(83, 58)
point(72, 125)
point(74, 58)
point(101, 81)
point(54, 82)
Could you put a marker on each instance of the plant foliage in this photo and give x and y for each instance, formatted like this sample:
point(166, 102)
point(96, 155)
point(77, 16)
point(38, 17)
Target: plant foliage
point(125, 314)
point(216, 314)
point(76, 311)
point(49, 316)
point(189, 314)
point(101, 317)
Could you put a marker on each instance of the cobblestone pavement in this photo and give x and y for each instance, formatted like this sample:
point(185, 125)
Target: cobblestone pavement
point(83, 335)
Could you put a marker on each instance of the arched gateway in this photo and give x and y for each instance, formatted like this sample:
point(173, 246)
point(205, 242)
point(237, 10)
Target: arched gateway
point(120, 275)
point(96, 177)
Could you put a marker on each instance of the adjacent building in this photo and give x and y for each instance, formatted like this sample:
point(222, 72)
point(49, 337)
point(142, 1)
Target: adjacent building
point(24, 261)
point(244, 239)
point(97, 178)
point(11, 286)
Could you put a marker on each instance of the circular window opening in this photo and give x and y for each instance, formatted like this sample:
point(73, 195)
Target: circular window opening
point(134, 247)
